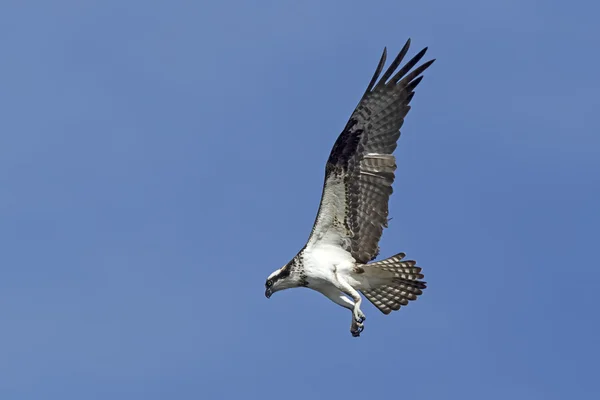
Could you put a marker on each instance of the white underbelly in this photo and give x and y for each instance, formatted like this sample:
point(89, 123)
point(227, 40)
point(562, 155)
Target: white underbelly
point(325, 264)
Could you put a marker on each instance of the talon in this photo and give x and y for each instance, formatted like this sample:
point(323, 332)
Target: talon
point(356, 332)
point(356, 329)
point(359, 317)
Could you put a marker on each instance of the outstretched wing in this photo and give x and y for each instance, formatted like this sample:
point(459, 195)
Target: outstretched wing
point(360, 169)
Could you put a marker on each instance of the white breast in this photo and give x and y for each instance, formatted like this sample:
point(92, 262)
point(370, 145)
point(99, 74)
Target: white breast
point(322, 263)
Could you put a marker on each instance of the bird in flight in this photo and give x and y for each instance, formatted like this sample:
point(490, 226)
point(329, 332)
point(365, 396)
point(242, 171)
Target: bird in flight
point(337, 258)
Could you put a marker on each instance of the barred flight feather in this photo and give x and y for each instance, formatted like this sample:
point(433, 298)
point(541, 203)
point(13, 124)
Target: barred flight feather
point(361, 166)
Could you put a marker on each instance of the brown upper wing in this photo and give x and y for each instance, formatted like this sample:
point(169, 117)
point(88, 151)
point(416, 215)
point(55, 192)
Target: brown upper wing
point(361, 161)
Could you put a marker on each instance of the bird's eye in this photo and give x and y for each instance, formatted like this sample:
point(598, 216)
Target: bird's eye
point(269, 283)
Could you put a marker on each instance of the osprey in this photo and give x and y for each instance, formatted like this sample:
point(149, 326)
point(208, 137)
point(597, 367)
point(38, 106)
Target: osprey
point(336, 260)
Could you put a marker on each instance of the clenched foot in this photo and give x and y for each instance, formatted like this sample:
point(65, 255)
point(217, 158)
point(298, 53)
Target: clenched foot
point(356, 328)
point(359, 316)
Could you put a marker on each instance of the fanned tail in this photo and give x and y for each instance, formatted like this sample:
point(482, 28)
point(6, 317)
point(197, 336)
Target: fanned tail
point(402, 283)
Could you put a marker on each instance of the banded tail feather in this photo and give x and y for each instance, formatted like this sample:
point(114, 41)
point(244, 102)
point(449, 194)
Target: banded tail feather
point(403, 285)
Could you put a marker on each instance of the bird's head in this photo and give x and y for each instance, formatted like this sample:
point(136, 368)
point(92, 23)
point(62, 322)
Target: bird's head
point(280, 279)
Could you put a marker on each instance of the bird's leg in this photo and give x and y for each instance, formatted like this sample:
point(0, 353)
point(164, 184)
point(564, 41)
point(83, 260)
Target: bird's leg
point(338, 297)
point(358, 317)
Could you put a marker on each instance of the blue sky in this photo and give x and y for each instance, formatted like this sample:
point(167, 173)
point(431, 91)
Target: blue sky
point(159, 159)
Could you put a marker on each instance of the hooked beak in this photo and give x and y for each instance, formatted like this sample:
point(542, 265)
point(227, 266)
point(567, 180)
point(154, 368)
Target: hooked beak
point(268, 293)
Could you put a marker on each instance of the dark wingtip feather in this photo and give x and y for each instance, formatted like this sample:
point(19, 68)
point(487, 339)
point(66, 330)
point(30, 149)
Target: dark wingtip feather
point(408, 66)
point(412, 85)
point(377, 71)
point(394, 64)
point(411, 80)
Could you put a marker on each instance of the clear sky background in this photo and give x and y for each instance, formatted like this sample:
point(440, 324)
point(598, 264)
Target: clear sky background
point(159, 159)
